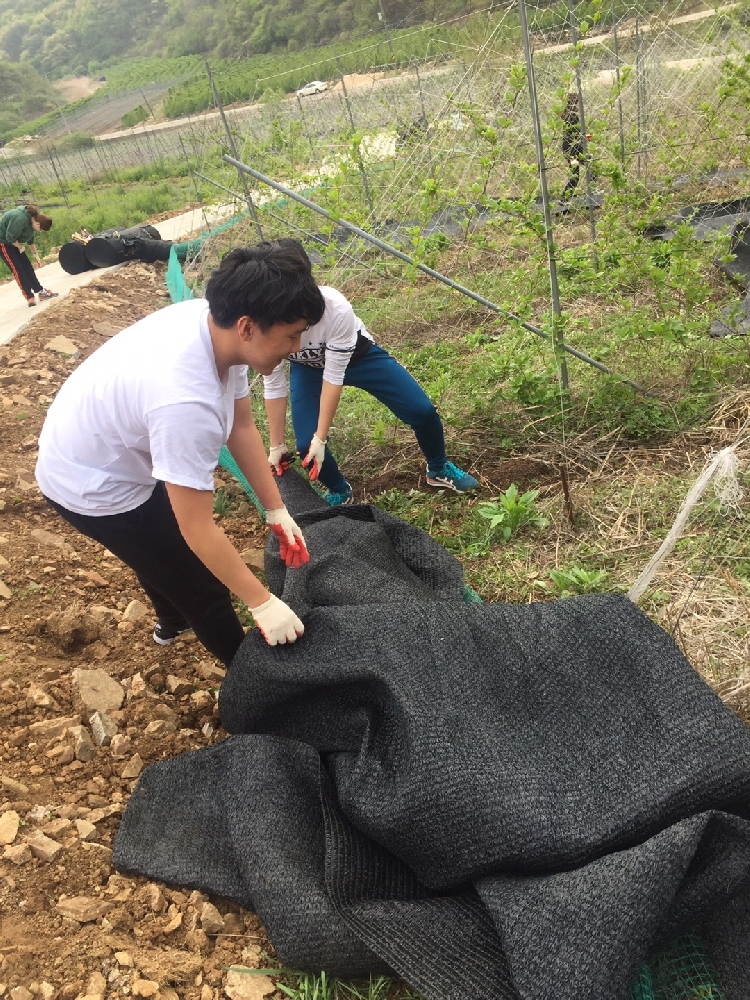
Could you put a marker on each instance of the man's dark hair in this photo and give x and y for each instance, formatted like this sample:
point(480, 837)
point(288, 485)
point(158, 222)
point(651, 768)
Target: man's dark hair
point(270, 283)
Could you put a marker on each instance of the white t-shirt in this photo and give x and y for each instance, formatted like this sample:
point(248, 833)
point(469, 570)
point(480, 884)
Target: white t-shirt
point(148, 405)
point(328, 344)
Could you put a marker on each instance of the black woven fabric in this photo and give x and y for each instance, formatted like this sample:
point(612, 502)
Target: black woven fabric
point(492, 801)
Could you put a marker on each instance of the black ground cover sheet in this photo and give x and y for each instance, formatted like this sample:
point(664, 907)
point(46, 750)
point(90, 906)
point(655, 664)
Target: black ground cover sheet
point(491, 801)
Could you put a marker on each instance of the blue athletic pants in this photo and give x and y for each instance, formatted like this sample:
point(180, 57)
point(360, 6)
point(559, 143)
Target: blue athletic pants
point(389, 382)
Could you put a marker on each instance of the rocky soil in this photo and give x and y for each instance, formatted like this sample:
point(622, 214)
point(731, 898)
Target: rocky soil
point(87, 699)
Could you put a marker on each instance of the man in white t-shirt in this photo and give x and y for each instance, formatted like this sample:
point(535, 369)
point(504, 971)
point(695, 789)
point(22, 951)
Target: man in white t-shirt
point(129, 446)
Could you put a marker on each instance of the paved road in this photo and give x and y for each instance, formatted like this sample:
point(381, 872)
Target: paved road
point(15, 314)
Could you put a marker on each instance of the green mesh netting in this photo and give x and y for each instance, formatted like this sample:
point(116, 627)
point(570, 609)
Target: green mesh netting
point(684, 971)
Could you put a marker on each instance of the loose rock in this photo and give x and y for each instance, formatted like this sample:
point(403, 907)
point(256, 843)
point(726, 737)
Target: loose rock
point(120, 746)
point(96, 984)
point(83, 747)
point(50, 728)
point(212, 921)
point(17, 854)
point(160, 727)
point(211, 672)
point(97, 690)
point(21, 993)
point(178, 686)
point(56, 828)
point(63, 345)
point(241, 985)
point(72, 628)
point(5, 591)
point(40, 698)
point(84, 909)
point(133, 767)
point(104, 615)
point(134, 611)
point(14, 786)
point(145, 988)
point(86, 830)
point(49, 538)
point(103, 728)
point(9, 823)
point(43, 847)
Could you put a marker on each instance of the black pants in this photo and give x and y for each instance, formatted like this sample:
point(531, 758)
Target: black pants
point(181, 588)
point(21, 268)
point(575, 176)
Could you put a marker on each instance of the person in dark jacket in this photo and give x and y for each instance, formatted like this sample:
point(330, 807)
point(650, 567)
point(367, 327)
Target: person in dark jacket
point(573, 145)
point(19, 226)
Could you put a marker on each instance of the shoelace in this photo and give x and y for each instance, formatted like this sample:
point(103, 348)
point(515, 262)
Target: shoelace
point(449, 471)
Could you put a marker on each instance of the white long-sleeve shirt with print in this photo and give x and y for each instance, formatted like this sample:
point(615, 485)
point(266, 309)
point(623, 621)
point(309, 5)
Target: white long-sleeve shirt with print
point(328, 344)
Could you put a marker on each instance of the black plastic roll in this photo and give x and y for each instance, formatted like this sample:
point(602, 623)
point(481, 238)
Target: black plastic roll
point(72, 258)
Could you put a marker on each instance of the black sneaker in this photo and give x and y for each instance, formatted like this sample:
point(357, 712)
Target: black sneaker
point(164, 634)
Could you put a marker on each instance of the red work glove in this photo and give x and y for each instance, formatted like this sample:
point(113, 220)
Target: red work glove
point(314, 457)
point(292, 548)
point(280, 458)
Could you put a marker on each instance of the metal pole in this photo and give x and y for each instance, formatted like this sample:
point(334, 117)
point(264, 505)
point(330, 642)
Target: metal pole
point(354, 129)
point(59, 181)
point(195, 184)
point(280, 218)
point(382, 245)
point(387, 29)
point(557, 325)
point(582, 120)
point(424, 116)
point(232, 146)
point(638, 89)
point(306, 127)
point(617, 76)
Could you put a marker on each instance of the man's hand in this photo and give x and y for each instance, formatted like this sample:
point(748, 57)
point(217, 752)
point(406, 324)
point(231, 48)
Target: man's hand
point(314, 457)
point(280, 458)
point(277, 622)
point(292, 548)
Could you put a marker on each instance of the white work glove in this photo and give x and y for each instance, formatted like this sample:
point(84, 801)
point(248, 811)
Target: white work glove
point(277, 622)
point(292, 548)
point(315, 455)
point(280, 458)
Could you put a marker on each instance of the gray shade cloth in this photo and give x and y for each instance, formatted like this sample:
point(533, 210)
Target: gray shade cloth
point(492, 801)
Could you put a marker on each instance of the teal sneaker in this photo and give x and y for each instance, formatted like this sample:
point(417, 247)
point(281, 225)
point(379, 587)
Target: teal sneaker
point(452, 478)
point(339, 499)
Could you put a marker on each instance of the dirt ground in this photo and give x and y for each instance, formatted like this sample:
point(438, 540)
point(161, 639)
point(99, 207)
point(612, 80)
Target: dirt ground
point(71, 927)
point(63, 607)
point(77, 87)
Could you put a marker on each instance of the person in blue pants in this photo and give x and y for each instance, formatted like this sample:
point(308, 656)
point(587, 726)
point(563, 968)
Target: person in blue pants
point(335, 352)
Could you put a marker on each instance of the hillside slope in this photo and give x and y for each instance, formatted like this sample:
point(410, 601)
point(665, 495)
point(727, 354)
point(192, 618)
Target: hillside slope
point(75, 37)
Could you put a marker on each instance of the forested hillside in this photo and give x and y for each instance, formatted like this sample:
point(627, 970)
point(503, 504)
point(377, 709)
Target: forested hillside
point(24, 95)
point(71, 37)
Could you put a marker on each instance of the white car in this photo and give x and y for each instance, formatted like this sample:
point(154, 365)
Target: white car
point(316, 87)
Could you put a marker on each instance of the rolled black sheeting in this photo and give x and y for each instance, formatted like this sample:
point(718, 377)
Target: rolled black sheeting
point(510, 801)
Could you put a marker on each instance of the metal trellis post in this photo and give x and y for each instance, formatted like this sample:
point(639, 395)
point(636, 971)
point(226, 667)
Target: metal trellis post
point(233, 147)
point(549, 232)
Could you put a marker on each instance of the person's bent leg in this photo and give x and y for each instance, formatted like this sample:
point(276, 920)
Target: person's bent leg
point(390, 383)
point(148, 539)
point(20, 265)
point(305, 385)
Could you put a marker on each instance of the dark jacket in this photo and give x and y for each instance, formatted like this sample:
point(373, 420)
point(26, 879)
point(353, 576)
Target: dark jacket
point(572, 141)
point(15, 227)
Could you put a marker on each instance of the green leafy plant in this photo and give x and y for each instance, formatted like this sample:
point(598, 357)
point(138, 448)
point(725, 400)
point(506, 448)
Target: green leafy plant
point(511, 512)
point(224, 502)
point(575, 580)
